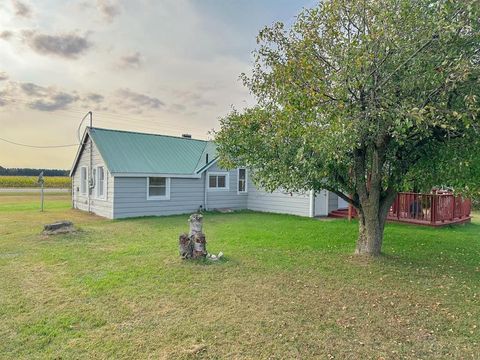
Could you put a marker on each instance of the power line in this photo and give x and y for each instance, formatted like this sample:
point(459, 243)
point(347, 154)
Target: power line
point(38, 146)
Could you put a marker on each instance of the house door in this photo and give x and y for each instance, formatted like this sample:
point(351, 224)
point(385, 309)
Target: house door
point(321, 203)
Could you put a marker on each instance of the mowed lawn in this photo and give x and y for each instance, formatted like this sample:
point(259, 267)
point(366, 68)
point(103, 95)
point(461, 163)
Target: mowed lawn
point(288, 287)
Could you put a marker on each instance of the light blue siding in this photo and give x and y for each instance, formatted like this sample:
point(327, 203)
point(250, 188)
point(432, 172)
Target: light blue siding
point(221, 199)
point(186, 196)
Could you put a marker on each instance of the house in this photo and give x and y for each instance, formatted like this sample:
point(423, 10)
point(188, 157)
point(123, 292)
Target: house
point(119, 174)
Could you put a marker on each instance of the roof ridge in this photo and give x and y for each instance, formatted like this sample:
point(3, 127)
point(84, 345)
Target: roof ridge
point(144, 133)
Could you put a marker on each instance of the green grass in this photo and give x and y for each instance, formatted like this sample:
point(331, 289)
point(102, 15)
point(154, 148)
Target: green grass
point(287, 288)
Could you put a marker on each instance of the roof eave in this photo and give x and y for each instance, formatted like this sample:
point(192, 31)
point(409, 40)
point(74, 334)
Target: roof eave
point(79, 152)
point(134, 174)
point(207, 166)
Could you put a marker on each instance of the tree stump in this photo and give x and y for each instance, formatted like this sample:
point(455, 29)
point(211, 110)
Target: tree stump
point(199, 245)
point(59, 227)
point(185, 246)
point(193, 245)
point(196, 224)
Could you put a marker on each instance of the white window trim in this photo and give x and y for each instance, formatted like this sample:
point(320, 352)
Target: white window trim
point(219, 173)
point(86, 180)
point(167, 190)
point(238, 182)
point(97, 181)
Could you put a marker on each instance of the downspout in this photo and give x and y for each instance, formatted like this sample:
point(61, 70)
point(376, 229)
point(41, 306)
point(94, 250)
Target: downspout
point(90, 170)
point(90, 182)
point(72, 189)
point(205, 191)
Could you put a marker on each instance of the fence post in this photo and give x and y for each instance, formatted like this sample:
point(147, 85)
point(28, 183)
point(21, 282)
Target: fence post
point(433, 210)
point(453, 207)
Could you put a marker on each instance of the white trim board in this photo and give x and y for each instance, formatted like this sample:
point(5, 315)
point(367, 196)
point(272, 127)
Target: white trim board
point(219, 173)
point(159, 198)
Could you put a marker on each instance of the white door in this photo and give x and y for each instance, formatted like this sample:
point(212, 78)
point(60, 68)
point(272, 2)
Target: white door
point(321, 203)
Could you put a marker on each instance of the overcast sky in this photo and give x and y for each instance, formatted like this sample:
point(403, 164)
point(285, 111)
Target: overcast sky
point(163, 66)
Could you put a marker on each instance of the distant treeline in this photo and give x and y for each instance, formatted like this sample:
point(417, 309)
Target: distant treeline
point(31, 172)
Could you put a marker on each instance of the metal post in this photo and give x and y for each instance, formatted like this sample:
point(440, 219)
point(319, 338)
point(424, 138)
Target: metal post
point(41, 182)
point(41, 198)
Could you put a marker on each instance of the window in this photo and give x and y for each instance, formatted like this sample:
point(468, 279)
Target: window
point(218, 181)
point(100, 182)
point(158, 188)
point(83, 180)
point(242, 181)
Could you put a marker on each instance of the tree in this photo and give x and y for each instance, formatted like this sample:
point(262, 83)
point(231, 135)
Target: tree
point(359, 97)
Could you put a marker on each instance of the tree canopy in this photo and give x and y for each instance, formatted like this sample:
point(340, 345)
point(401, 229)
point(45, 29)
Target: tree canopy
point(363, 98)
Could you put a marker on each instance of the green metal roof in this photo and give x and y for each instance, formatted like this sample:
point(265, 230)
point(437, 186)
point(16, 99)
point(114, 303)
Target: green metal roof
point(133, 152)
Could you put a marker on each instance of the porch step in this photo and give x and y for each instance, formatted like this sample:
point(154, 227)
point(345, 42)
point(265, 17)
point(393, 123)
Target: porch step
point(339, 213)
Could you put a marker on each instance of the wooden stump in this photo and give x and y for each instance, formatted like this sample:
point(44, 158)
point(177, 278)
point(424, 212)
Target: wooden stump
point(193, 245)
point(199, 245)
point(185, 246)
point(196, 224)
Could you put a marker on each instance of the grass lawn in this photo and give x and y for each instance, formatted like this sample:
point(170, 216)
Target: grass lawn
point(288, 288)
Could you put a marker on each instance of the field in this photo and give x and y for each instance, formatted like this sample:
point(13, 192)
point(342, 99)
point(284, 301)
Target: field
point(287, 288)
point(59, 182)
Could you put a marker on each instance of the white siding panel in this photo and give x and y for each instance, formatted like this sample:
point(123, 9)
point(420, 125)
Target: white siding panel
point(332, 202)
point(277, 201)
point(102, 207)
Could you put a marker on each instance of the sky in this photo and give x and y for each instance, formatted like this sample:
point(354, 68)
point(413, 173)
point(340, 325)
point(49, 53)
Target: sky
point(158, 66)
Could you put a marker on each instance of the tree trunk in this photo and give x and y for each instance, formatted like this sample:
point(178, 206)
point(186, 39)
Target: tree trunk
point(372, 219)
point(370, 235)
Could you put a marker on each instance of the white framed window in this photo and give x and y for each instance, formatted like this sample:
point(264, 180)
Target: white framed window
point(100, 182)
point(241, 181)
point(218, 181)
point(158, 188)
point(83, 180)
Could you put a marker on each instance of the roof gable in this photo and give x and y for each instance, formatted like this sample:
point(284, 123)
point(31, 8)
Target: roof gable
point(139, 153)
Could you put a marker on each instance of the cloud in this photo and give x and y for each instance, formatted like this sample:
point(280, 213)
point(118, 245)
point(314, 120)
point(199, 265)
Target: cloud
point(109, 9)
point(21, 9)
point(177, 108)
point(136, 101)
point(193, 98)
point(69, 46)
point(131, 61)
point(32, 89)
point(6, 35)
point(47, 98)
point(3, 76)
point(3, 101)
point(96, 98)
point(54, 102)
